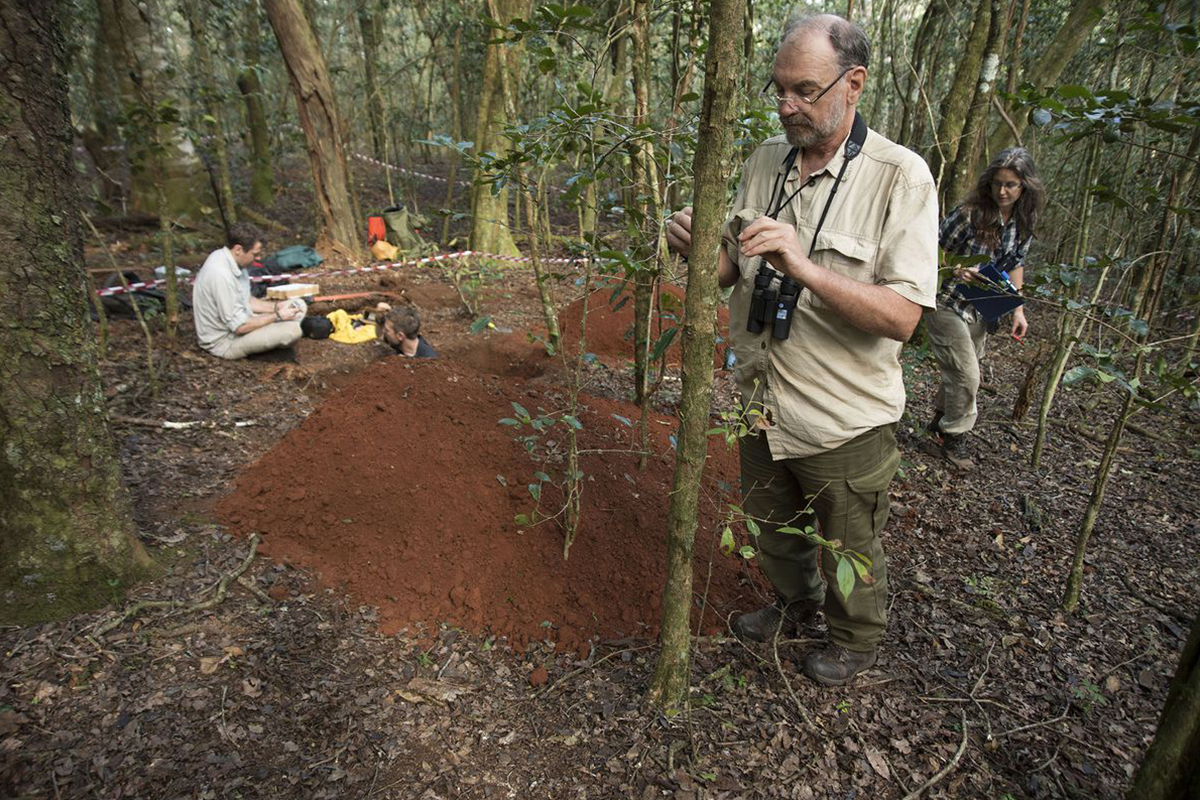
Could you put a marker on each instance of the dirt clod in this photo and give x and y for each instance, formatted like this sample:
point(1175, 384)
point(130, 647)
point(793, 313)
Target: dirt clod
point(538, 677)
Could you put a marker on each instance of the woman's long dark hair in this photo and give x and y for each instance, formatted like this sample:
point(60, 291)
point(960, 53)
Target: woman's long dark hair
point(982, 208)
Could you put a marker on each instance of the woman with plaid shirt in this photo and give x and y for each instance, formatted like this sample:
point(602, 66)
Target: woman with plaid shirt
point(997, 218)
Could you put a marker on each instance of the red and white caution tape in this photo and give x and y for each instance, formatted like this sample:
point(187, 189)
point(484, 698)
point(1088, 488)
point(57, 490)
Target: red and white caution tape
point(294, 276)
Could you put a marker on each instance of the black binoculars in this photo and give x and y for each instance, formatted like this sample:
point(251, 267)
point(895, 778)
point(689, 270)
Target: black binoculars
point(768, 306)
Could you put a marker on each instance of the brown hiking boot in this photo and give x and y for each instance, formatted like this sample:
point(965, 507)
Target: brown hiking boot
point(836, 666)
point(956, 449)
point(761, 625)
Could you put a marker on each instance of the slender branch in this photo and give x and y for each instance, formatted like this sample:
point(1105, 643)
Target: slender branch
point(946, 770)
point(1033, 725)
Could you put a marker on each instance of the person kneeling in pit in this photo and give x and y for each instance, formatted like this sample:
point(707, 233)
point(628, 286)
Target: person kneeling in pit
point(401, 329)
point(230, 323)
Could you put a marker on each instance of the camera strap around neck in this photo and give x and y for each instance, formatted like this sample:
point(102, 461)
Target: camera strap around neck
point(854, 143)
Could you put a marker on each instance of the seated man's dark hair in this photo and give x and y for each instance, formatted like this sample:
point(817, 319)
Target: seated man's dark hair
point(245, 234)
point(406, 320)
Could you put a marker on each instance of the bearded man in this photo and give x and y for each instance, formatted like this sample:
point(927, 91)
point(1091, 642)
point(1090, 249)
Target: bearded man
point(831, 250)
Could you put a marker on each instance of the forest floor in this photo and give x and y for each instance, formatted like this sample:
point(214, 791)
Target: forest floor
point(399, 636)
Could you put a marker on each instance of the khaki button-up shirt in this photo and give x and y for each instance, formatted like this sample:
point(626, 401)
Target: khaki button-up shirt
point(220, 301)
point(829, 381)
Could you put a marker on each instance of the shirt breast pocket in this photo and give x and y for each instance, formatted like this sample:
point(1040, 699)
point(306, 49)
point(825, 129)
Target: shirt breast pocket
point(850, 256)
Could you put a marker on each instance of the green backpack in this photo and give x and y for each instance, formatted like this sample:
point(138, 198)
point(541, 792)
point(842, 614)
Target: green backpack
point(400, 230)
point(291, 259)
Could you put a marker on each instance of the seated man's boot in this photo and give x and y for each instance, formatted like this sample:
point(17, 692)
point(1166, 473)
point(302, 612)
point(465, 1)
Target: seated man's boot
point(761, 625)
point(836, 666)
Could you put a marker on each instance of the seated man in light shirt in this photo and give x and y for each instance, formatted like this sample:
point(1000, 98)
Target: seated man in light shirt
point(230, 323)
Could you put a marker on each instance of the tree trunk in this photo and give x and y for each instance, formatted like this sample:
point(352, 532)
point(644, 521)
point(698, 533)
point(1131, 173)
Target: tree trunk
point(722, 76)
point(645, 189)
point(490, 232)
point(197, 18)
point(966, 163)
point(1169, 770)
point(1014, 61)
point(915, 105)
point(104, 140)
point(614, 85)
point(1070, 37)
point(159, 154)
point(262, 171)
point(368, 13)
point(317, 106)
point(456, 130)
point(66, 535)
point(958, 99)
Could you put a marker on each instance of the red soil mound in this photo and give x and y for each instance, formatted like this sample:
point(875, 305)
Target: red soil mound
point(402, 488)
point(610, 324)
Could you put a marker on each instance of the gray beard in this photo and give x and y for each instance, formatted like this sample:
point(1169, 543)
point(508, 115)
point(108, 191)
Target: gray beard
point(811, 134)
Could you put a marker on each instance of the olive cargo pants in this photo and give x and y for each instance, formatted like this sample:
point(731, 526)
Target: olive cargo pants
point(847, 490)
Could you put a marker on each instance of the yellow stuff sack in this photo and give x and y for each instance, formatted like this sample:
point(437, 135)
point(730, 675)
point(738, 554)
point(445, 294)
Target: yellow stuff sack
point(345, 330)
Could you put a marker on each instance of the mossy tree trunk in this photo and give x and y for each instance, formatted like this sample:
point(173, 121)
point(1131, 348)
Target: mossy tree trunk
point(958, 100)
point(1171, 768)
point(319, 118)
point(722, 77)
point(262, 170)
point(66, 536)
point(490, 230)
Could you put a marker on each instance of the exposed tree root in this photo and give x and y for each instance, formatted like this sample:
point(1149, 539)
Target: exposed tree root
point(212, 602)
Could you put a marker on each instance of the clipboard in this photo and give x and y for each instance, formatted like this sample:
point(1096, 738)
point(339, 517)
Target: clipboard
point(993, 299)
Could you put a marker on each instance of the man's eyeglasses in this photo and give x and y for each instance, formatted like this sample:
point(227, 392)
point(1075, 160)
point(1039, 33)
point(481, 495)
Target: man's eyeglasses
point(809, 99)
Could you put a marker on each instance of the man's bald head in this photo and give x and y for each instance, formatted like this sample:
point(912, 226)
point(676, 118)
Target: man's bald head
point(849, 42)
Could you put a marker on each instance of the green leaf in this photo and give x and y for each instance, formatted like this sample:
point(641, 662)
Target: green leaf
point(510, 421)
point(663, 343)
point(623, 420)
point(480, 324)
point(727, 542)
point(520, 409)
point(862, 570)
point(1074, 91)
point(752, 526)
point(521, 519)
point(535, 490)
point(1078, 375)
point(541, 476)
point(746, 551)
point(571, 420)
point(845, 577)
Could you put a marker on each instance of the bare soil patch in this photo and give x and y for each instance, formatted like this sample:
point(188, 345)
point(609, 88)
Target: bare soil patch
point(402, 489)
